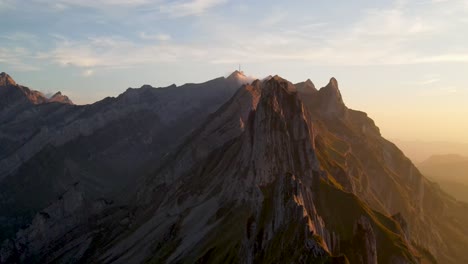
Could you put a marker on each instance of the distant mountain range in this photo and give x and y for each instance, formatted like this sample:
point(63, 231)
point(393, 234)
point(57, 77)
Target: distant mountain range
point(450, 171)
point(227, 171)
point(419, 151)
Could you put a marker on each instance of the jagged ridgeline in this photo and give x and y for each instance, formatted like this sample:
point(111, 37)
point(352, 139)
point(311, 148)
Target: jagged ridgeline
point(228, 171)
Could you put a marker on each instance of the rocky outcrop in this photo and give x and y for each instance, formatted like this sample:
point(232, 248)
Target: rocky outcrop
point(6, 80)
point(365, 242)
point(59, 98)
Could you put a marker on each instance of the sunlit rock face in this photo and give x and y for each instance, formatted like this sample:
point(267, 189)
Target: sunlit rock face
point(6, 80)
point(59, 98)
point(232, 171)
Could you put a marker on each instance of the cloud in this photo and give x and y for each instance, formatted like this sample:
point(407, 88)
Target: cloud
point(439, 91)
point(20, 37)
point(158, 37)
point(172, 8)
point(6, 5)
point(381, 37)
point(276, 16)
point(187, 8)
point(17, 58)
point(116, 52)
point(87, 73)
point(395, 35)
point(96, 4)
point(447, 57)
point(428, 81)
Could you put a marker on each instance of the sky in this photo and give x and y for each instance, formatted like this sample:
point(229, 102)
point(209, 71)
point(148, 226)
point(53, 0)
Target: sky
point(405, 63)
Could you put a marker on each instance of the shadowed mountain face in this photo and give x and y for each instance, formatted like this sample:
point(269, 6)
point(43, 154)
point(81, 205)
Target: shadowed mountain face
point(47, 148)
point(267, 172)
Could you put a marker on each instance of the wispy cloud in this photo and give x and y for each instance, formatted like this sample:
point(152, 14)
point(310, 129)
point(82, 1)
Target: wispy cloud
point(276, 15)
point(17, 58)
point(87, 73)
point(97, 4)
point(177, 8)
point(6, 5)
point(446, 57)
point(428, 81)
point(187, 8)
point(439, 91)
point(386, 36)
point(20, 37)
point(158, 37)
point(114, 52)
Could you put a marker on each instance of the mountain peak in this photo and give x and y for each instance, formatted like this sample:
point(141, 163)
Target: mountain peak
point(58, 97)
point(239, 78)
point(332, 89)
point(306, 87)
point(277, 81)
point(236, 75)
point(333, 83)
point(330, 98)
point(19, 92)
point(237, 72)
point(5, 79)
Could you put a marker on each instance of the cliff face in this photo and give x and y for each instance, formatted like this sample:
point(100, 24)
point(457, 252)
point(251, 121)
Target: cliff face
point(352, 150)
point(279, 173)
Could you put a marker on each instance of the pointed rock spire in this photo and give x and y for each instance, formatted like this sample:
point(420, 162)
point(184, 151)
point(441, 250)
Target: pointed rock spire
point(60, 98)
point(6, 80)
point(306, 87)
point(330, 99)
point(333, 90)
point(309, 83)
point(333, 83)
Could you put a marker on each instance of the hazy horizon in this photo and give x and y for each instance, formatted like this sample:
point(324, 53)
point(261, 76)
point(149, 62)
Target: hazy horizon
point(402, 62)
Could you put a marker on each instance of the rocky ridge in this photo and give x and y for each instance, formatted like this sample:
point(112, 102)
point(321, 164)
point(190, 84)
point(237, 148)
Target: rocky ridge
point(279, 173)
point(46, 148)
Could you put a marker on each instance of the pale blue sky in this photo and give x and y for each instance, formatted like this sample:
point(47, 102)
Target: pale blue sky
point(403, 62)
